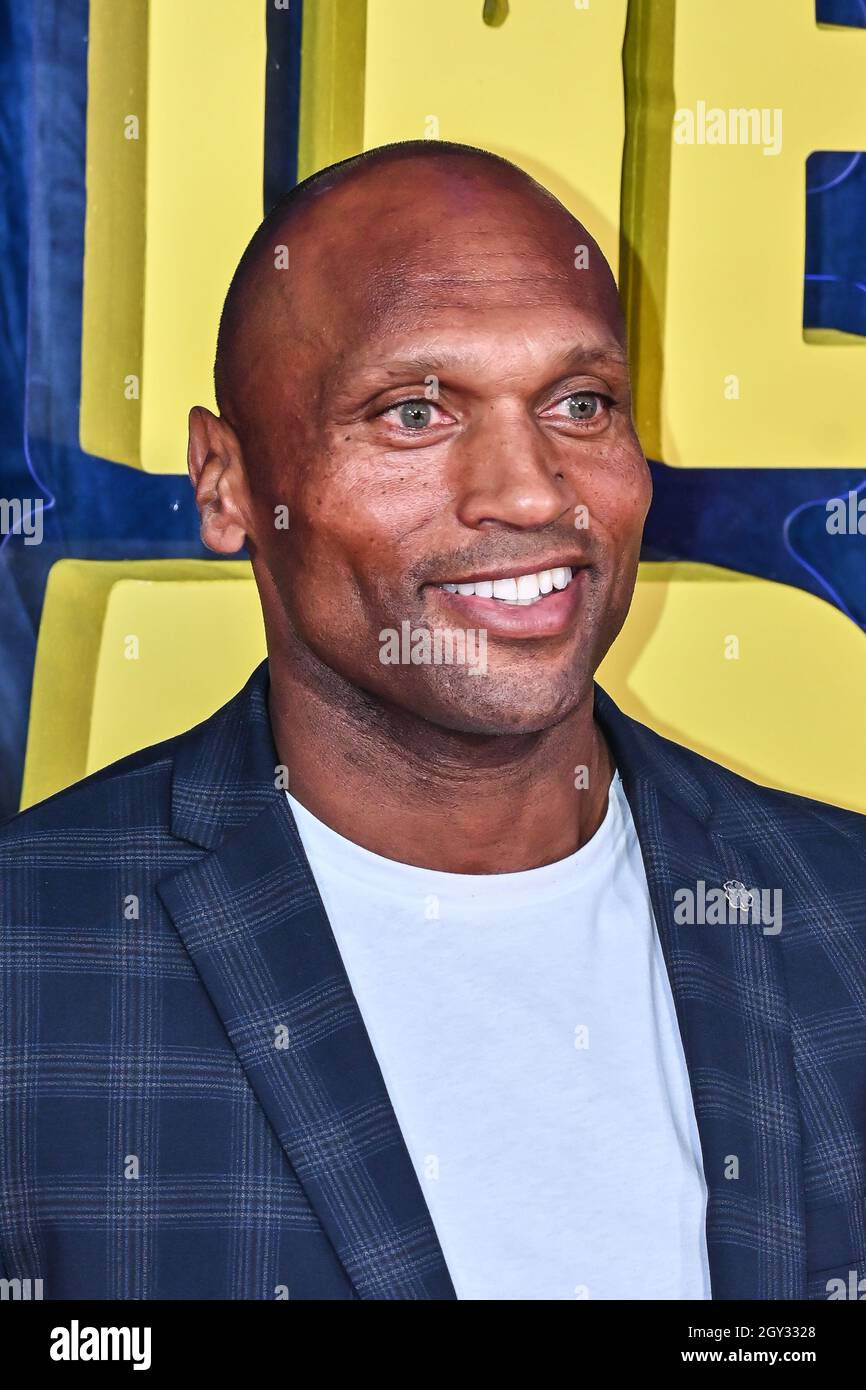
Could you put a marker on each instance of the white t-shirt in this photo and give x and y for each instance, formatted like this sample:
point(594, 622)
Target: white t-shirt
point(525, 1029)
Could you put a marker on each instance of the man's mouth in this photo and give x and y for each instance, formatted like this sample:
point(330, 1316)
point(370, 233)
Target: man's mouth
point(520, 590)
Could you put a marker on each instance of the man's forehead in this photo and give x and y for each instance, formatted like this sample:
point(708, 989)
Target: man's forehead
point(471, 250)
point(517, 343)
point(375, 314)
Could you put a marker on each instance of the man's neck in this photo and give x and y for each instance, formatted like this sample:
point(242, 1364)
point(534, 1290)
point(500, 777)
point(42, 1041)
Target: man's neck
point(416, 792)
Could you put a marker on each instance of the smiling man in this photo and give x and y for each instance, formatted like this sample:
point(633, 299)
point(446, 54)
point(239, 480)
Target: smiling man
point(414, 1005)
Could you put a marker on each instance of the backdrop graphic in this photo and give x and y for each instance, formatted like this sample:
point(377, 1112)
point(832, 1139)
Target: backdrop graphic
point(715, 151)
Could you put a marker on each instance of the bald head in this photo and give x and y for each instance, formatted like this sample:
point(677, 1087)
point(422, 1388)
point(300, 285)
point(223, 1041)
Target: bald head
point(375, 238)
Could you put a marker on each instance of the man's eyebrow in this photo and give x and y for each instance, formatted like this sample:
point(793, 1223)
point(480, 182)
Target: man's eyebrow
point(434, 364)
point(584, 356)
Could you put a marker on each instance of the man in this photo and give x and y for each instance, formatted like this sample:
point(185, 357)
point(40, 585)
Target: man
point(423, 998)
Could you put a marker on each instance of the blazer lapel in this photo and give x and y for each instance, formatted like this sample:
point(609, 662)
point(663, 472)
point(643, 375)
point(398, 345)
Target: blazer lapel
point(731, 1002)
point(250, 915)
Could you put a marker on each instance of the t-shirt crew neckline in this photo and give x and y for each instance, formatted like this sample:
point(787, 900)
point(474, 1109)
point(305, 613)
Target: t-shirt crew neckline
point(375, 872)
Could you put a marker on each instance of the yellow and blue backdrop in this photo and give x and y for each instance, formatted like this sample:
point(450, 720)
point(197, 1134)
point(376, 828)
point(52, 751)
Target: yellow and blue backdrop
point(141, 142)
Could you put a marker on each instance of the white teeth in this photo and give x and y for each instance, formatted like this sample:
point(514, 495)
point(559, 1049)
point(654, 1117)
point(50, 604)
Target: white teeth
point(527, 586)
point(522, 590)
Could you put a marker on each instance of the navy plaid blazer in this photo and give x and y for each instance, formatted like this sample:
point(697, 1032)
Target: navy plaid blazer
point(192, 1107)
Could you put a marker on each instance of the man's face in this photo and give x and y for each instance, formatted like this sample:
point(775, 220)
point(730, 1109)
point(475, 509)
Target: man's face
point(466, 419)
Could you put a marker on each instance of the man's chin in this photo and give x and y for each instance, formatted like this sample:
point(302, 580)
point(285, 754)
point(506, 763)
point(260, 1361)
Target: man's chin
point(487, 709)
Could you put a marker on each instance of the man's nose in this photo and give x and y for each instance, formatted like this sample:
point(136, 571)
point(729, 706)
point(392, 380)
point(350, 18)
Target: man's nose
point(506, 471)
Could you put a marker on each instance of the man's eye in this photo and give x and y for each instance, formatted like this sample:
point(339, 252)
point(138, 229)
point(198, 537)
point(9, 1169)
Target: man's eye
point(585, 405)
point(412, 415)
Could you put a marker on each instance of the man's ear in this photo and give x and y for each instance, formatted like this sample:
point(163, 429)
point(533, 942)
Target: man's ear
point(217, 474)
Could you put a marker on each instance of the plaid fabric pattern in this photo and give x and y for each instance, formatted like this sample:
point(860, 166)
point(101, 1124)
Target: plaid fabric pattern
point(192, 1107)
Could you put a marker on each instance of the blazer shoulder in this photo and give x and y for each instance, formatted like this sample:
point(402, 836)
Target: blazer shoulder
point(735, 794)
point(136, 790)
point(119, 794)
point(730, 799)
